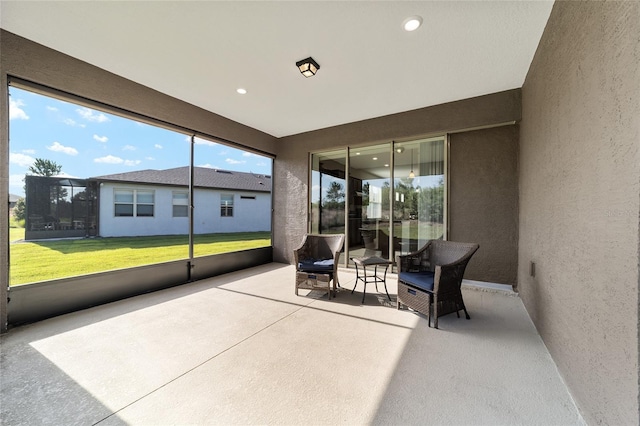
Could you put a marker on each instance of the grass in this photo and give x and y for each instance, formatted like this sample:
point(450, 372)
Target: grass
point(16, 234)
point(16, 229)
point(46, 260)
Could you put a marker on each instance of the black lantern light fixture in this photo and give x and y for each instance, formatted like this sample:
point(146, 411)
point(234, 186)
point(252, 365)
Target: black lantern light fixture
point(308, 67)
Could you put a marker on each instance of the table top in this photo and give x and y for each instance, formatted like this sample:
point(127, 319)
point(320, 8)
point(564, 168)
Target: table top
point(371, 260)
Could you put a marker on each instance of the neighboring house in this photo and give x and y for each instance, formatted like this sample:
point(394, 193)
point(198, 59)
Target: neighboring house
point(147, 202)
point(13, 199)
point(155, 202)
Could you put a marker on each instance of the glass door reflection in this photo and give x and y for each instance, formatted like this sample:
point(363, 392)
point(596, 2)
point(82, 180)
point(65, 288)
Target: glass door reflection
point(369, 201)
point(419, 193)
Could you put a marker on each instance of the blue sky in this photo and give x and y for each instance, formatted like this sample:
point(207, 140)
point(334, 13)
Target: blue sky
point(88, 143)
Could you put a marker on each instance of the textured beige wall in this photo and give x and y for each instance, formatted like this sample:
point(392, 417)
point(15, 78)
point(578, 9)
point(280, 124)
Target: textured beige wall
point(291, 169)
point(579, 202)
point(483, 202)
point(30, 61)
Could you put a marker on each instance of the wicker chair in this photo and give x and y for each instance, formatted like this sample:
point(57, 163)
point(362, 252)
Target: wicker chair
point(317, 261)
point(429, 279)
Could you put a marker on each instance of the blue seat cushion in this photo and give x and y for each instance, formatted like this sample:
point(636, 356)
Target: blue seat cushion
point(316, 265)
point(421, 280)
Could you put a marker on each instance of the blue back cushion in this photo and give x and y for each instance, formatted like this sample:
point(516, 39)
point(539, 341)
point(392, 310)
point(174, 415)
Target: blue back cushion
point(421, 280)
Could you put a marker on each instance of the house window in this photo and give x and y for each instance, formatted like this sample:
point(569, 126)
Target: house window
point(131, 202)
point(226, 205)
point(123, 200)
point(180, 204)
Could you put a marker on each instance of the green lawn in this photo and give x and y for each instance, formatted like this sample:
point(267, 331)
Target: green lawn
point(46, 260)
point(16, 234)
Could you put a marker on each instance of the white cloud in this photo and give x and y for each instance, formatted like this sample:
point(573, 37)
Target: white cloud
point(109, 159)
point(208, 166)
point(73, 123)
point(50, 108)
point(249, 154)
point(232, 161)
point(261, 164)
point(149, 158)
point(199, 141)
point(15, 112)
point(91, 115)
point(129, 148)
point(21, 160)
point(29, 151)
point(16, 184)
point(157, 146)
point(102, 139)
point(67, 175)
point(58, 147)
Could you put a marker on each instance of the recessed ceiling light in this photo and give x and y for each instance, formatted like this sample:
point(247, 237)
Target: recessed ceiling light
point(242, 91)
point(357, 153)
point(375, 158)
point(386, 165)
point(412, 23)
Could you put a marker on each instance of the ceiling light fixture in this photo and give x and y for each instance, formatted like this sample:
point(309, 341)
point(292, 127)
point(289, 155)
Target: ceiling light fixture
point(308, 67)
point(242, 91)
point(412, 23)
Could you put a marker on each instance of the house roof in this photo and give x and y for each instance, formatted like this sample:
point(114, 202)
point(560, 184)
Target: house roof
point(203, 178)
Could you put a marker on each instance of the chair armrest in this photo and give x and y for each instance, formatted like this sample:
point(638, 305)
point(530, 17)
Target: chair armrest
point(449, 276)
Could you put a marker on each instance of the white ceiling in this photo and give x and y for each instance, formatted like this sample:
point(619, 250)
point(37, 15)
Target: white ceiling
point(202, 51)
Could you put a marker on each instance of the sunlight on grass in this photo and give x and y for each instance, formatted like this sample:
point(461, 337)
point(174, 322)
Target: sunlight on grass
point(16, 234)
point(47, 260)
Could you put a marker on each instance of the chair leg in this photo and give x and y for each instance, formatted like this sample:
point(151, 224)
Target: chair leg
point(466, 314)
point(435, 312)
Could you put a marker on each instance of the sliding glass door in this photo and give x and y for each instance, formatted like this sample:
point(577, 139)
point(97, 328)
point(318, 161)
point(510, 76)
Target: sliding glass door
point(328, 186)
point(419, 199)
point(387, 199)
point(368, 201)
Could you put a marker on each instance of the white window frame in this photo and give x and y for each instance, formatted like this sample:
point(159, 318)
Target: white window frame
point(135, 201)
point(226, 208)
point(181, 201)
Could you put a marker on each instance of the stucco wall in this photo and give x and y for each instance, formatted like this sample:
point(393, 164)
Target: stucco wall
point(579, 202)
point(483, 200)
point(249, 215)
point(291, 169)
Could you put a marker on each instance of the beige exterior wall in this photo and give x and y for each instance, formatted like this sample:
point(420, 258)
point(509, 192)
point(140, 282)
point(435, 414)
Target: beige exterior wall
point(291, 172)
point(579, 202)
point(483, 200)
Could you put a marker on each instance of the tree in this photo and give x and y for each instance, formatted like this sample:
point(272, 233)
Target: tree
point(19, 209)
point(335, 195)
point(42, 167)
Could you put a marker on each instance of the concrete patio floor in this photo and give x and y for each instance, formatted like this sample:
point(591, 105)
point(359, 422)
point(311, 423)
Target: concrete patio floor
point(243, 349)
